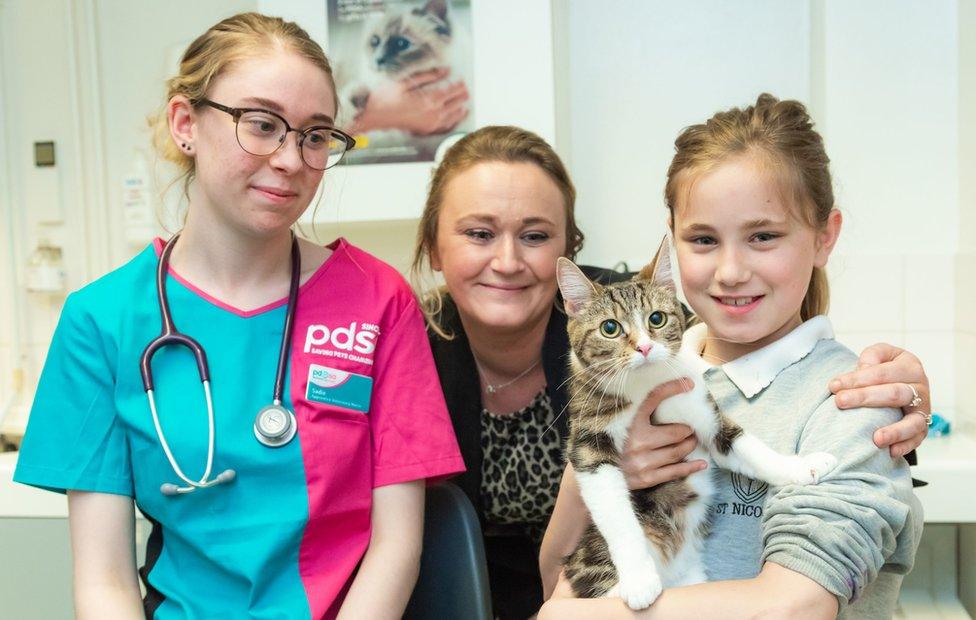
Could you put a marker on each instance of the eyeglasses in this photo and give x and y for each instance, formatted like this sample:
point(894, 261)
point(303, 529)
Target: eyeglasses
point(261, 132)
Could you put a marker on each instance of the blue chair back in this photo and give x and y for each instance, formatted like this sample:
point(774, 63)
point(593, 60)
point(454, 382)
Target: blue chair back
point(453, 581)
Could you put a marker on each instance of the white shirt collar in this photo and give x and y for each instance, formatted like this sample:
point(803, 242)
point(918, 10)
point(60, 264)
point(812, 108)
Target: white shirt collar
point(752, 372)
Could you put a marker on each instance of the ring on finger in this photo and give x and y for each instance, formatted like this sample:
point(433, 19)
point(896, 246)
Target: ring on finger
point(927, 416)
point(916, 399)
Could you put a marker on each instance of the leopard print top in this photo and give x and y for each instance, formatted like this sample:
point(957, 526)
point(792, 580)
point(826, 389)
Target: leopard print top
point(521, 469)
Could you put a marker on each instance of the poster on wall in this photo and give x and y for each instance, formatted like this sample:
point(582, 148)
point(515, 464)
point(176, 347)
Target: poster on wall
point(404, 76)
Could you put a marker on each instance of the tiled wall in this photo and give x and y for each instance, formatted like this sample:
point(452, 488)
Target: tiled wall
point(906, 300)
point(965, 353)
point(966, 261)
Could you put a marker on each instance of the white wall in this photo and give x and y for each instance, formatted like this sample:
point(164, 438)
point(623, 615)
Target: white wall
point(965, 281)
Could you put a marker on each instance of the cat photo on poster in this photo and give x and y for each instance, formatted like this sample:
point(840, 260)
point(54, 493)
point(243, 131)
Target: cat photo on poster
point(403, 73)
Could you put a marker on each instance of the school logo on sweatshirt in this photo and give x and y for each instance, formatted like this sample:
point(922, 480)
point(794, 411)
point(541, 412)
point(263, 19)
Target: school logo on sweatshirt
point(747, 489)
point(750, 493)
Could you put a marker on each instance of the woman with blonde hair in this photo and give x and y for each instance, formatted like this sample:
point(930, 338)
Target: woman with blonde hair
point(297, 497)
point(499, 212)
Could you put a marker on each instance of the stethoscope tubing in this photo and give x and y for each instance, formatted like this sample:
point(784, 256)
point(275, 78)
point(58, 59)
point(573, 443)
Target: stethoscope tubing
point(170, 336)
point(296, 274)
point(203, 482)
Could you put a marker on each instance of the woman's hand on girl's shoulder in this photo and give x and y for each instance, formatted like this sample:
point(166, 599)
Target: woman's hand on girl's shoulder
point(888, 376)
point(656, 453)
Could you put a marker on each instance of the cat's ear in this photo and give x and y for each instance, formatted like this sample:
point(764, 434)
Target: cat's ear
point(437, 8)
point(576, 288)
point(659, 270)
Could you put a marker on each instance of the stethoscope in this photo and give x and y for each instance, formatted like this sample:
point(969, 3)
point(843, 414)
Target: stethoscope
point(274, 425)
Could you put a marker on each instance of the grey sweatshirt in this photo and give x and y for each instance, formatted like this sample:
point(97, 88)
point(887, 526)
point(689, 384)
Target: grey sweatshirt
point(856, 532)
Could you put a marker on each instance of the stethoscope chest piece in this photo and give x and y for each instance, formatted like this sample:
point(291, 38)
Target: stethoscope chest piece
point(275, 426)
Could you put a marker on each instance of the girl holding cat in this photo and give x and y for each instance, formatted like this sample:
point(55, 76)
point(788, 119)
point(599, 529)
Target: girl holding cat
point(499, 212)
point(752, 214)
point(322, 521)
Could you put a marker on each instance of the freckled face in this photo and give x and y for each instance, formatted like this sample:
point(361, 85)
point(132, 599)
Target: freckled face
point(248, 192)
point(745, 257)
point(500, 230)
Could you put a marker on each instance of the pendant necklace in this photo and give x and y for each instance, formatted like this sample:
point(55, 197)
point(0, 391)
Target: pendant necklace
point(491, 389)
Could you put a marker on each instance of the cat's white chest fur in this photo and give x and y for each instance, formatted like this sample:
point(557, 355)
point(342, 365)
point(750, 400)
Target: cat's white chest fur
point(691, 408)
point(694, 409)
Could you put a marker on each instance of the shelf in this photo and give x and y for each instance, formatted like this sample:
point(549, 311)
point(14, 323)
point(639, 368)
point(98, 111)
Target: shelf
point(948, 464)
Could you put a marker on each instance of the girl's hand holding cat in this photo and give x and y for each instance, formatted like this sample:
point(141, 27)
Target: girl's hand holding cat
point(563, 588)
point(655, 453)
point(884, 378)
point(421, 104)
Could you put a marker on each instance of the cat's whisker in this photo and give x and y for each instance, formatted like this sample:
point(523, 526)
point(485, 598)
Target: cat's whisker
point(609, 382)
point(573, 374)
point(599, 381)
point(573, 396)
point(597, 376)
point(675, 371)
point(621, 378)
point(589, 370)
point(601, 378)
point(717, 339)
point(591, 379)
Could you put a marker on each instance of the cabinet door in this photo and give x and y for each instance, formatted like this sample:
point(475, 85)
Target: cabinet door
point(35, 569)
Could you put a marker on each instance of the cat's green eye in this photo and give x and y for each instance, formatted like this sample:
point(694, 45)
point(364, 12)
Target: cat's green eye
point(657, 319)
point(610, 328)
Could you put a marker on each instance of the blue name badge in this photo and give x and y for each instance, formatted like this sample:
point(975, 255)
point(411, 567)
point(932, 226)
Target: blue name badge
point(339, 387)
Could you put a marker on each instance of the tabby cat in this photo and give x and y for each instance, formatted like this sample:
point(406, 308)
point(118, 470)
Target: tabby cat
point(625, 340)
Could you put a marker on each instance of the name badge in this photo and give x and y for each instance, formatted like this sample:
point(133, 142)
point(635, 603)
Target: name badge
point(339, 387)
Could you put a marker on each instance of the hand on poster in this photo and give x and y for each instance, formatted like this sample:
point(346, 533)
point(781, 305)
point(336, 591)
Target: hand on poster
point(421, 104)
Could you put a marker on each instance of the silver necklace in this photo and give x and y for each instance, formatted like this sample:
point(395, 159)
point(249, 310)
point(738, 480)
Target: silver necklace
point(491, 389)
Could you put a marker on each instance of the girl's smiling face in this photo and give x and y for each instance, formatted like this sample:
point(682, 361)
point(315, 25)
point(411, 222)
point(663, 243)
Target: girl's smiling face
point(745, 255)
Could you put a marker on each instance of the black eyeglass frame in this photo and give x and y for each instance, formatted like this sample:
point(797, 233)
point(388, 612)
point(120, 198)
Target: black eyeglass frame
point(237, 113)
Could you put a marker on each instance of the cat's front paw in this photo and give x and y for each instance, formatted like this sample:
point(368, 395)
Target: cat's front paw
point(810, 468)
point(639, 587)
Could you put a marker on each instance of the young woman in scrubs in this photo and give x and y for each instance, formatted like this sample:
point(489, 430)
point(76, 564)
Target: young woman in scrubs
point(327, 524)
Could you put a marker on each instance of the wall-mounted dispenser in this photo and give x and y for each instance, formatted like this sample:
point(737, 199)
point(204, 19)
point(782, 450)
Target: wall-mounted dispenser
point(45, 269)
point(138, 215)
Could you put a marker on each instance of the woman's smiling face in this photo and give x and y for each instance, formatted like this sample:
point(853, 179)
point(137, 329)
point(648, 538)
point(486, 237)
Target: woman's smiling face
point(501, 227)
